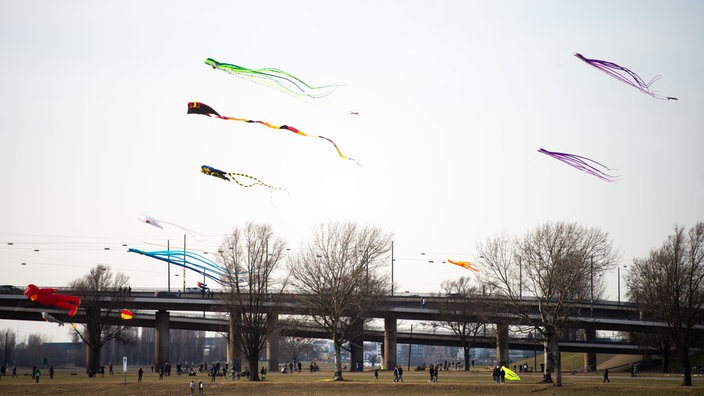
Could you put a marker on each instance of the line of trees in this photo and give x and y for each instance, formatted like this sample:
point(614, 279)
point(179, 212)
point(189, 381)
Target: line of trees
point(339, 277)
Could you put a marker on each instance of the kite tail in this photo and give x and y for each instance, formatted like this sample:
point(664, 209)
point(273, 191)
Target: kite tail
point(338, 150)
point(256, 181)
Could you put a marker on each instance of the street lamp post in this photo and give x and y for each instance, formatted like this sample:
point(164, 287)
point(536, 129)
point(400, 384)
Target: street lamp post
point(619, 283)
point(520, 279)
point(591, 272)
point(410, 346)
point(168, 265)
point(392, 268)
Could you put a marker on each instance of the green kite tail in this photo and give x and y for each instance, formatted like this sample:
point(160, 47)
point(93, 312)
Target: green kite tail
point(276, 78)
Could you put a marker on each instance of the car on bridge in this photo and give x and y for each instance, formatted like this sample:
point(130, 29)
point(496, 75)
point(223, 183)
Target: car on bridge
point(165, 294)
point(9, 289)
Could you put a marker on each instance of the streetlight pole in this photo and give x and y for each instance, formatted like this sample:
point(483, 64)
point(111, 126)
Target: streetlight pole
point(520, 279)
point(168, 265)
point(410, 346)
point(184, 263)
point(591, 272)
point(392, 268)
point(619, 283)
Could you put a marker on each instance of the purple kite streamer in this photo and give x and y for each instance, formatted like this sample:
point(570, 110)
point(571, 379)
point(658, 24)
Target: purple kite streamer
point(584, 164)
point(624, 75)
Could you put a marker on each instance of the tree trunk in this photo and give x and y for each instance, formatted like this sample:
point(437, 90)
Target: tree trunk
point(547, 371)
point(253, 367)
point(92, 339)
point(467, 351)
point(666, 360)
point(686, 365)
point(552, 354)
point(556, 360)
point(338, 359)
point(92, 359)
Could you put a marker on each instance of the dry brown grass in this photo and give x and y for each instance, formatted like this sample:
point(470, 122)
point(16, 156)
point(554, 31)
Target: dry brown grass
point(416, 383)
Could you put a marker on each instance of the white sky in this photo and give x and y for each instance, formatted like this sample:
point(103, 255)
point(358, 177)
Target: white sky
point(454, 99)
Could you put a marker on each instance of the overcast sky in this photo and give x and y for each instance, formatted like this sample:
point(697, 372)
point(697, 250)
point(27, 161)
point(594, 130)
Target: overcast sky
point(453, 100)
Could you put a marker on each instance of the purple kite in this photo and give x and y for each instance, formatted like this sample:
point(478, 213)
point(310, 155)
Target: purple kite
point(584, 164)
point(624, 75)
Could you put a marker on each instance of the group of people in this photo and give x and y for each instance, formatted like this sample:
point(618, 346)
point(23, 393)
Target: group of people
point(3, 371)
point(433, 371)
point(192, 388)
point(398, 374)
point(292, 368)
point(499, 375)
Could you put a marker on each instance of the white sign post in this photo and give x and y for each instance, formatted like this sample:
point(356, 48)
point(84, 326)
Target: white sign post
point(124, 367)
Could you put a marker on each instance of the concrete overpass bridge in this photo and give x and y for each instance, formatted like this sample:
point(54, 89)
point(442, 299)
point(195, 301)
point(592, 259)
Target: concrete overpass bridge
point(179, 312)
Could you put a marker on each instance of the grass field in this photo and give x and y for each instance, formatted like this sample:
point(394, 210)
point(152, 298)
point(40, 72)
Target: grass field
point(416, 383)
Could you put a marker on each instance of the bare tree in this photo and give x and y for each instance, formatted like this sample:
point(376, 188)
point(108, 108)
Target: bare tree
point(339, 278)
point(8, 340)
point(298, 349)
point(34, 349)
point(251, 256)
point(669, 286)
point(551, 265)
point(93, 288)
point(465, 294)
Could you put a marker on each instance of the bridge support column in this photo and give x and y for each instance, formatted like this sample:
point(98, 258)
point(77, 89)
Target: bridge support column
point(161, 339)
point(390, 334)
point(501, 344)
point(357, 346)
point(234, 350)
point(590, 357)
point(272, 344)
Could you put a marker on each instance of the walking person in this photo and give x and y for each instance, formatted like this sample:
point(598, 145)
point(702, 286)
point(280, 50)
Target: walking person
point(192, 387)
point(201, 389)
point(400, 373)
point(139, 375)
point(606, 376)
point(376, 374)
point(396, 374)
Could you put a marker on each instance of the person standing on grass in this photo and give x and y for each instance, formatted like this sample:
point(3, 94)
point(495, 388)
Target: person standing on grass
point(192, 387)
point(606, 376)
point(201, 388)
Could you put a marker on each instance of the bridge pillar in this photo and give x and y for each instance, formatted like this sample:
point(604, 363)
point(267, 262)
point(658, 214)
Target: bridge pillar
point(272, 343)
point(357, 345)
point(501, 344)
point(590, 357)
point(161, 339)
point(390, 334)
point(234, 350)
